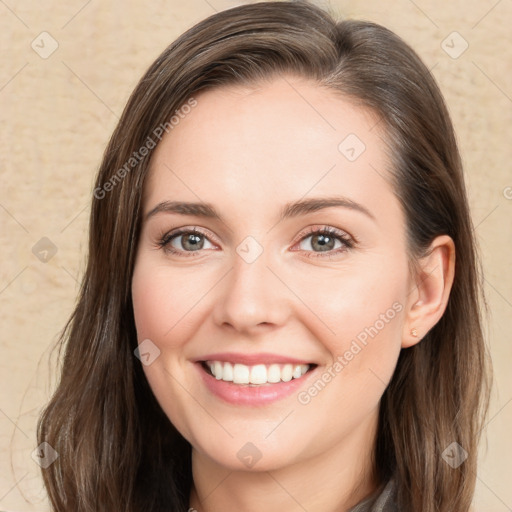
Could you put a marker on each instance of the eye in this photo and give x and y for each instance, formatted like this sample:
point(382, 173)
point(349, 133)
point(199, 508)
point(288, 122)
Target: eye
point(326, 241)
point(185, 241)
point(317, 242)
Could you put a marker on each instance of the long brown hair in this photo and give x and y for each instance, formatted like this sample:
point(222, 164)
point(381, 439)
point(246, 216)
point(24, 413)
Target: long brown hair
point(117, 449)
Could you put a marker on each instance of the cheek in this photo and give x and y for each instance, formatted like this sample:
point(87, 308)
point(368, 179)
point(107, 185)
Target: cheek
point(161, 300)
point(351, 300)
point(362, 315)
point(364, 347)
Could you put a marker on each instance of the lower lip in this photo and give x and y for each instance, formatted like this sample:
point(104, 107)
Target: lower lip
point(244, 394)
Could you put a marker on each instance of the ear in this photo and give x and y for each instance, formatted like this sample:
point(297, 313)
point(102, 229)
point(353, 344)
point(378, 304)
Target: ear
point(429, 290)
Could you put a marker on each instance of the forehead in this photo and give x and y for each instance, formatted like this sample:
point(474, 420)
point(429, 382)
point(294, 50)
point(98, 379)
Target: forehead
point(270, 143)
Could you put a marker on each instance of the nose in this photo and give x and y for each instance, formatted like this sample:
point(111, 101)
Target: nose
point(251, 297)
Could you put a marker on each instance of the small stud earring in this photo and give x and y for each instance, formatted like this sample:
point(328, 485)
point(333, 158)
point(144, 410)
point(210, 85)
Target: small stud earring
point(414, 332)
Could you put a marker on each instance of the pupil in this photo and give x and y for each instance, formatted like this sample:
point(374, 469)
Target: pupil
point(323, 242)
point(193, 242)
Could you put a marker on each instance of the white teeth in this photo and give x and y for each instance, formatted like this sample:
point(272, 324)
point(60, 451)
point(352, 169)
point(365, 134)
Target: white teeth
point(257, 374)
point(240, 374)
point(296, 372)
point(227, 372)
point(217, 370)
point(287, 372)
point(274, 373)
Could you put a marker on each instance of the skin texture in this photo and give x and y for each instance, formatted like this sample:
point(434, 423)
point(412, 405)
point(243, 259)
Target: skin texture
point(248, 152)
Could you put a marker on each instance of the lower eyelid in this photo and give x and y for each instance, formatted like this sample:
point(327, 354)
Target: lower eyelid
point(327, 254)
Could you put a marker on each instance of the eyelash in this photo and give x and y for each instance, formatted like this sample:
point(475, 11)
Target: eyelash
point(347, 241)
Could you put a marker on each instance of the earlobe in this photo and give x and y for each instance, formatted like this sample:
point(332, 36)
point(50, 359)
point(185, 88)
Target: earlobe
point(430, 290)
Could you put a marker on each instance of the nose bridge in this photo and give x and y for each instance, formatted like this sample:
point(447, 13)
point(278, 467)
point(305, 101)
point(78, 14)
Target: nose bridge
point(251, 294)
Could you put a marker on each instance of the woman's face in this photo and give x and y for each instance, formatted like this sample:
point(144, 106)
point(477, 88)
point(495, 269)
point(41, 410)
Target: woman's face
point(298, 264)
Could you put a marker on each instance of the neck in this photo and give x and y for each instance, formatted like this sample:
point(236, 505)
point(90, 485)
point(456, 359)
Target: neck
point(334, 481)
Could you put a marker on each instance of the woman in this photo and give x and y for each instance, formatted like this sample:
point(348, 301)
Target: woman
point(281, 303)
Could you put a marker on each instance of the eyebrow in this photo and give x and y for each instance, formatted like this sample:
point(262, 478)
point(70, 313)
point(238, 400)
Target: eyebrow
point(294, 209)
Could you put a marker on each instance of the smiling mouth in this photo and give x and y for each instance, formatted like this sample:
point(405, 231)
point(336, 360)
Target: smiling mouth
point(255, 375)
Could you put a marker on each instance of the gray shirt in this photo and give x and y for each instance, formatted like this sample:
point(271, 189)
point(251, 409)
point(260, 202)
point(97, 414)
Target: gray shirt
point(380, 501)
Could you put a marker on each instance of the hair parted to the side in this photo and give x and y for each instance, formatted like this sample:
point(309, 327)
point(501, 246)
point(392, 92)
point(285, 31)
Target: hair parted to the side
point(117, 449)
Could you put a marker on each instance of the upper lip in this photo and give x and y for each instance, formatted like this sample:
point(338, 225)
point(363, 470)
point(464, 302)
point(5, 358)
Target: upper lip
point(251, 359)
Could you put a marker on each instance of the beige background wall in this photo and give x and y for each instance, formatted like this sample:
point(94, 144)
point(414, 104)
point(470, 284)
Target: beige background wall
point(57, 112)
